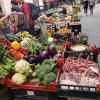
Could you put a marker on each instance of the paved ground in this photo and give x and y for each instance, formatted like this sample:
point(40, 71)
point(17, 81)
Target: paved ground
point(91, 27)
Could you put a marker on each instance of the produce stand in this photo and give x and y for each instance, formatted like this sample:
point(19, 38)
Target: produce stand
point(64, 33)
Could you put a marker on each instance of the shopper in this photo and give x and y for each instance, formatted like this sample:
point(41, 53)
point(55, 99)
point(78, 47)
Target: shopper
point(91, 6)
point(19, 18)
point(85, 3)
point(27, 12)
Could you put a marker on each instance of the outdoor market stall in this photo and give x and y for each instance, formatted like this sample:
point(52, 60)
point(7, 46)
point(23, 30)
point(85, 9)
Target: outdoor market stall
point(56, 65)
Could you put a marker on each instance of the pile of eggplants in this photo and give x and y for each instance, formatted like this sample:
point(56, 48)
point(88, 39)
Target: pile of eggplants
point(39, 57)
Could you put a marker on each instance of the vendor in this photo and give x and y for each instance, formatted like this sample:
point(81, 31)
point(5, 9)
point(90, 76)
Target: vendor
point(18, 16)
point(27, 13)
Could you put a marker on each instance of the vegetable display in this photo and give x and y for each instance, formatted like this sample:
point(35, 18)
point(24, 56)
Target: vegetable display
point(14, 48)
point(33, 45)
point(6, 62)
point(29, 60)
point(46, 72)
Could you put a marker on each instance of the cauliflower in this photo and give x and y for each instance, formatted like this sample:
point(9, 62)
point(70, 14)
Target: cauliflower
point(22, 66)
point(50, 39)
point(18, 79)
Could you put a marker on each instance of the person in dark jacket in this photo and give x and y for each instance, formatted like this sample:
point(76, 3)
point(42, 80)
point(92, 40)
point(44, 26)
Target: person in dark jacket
point(85, 3)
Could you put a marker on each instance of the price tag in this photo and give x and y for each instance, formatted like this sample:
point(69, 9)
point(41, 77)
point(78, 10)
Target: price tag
point(30, 93)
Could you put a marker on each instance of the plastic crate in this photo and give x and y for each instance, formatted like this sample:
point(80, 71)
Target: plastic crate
point(2, 81)
point(69, 53)
point(98, 87)
point(30, 86)
point(84, 55)
point(78, 91)
point(21, 94)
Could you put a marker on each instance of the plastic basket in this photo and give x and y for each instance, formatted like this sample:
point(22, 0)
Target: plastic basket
point(30, 86)
point(78, 91)
point(21, 94)
point(98, 87)
point(2, 81)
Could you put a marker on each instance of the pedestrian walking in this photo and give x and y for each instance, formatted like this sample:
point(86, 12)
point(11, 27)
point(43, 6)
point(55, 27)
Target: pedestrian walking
point(85, 3)
point(91, 6)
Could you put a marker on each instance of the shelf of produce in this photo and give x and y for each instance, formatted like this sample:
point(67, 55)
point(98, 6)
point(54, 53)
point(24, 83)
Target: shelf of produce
point(31, 86)
point(78, 91)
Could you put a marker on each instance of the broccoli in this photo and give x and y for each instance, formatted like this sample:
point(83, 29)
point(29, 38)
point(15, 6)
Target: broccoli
point(49, 78)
